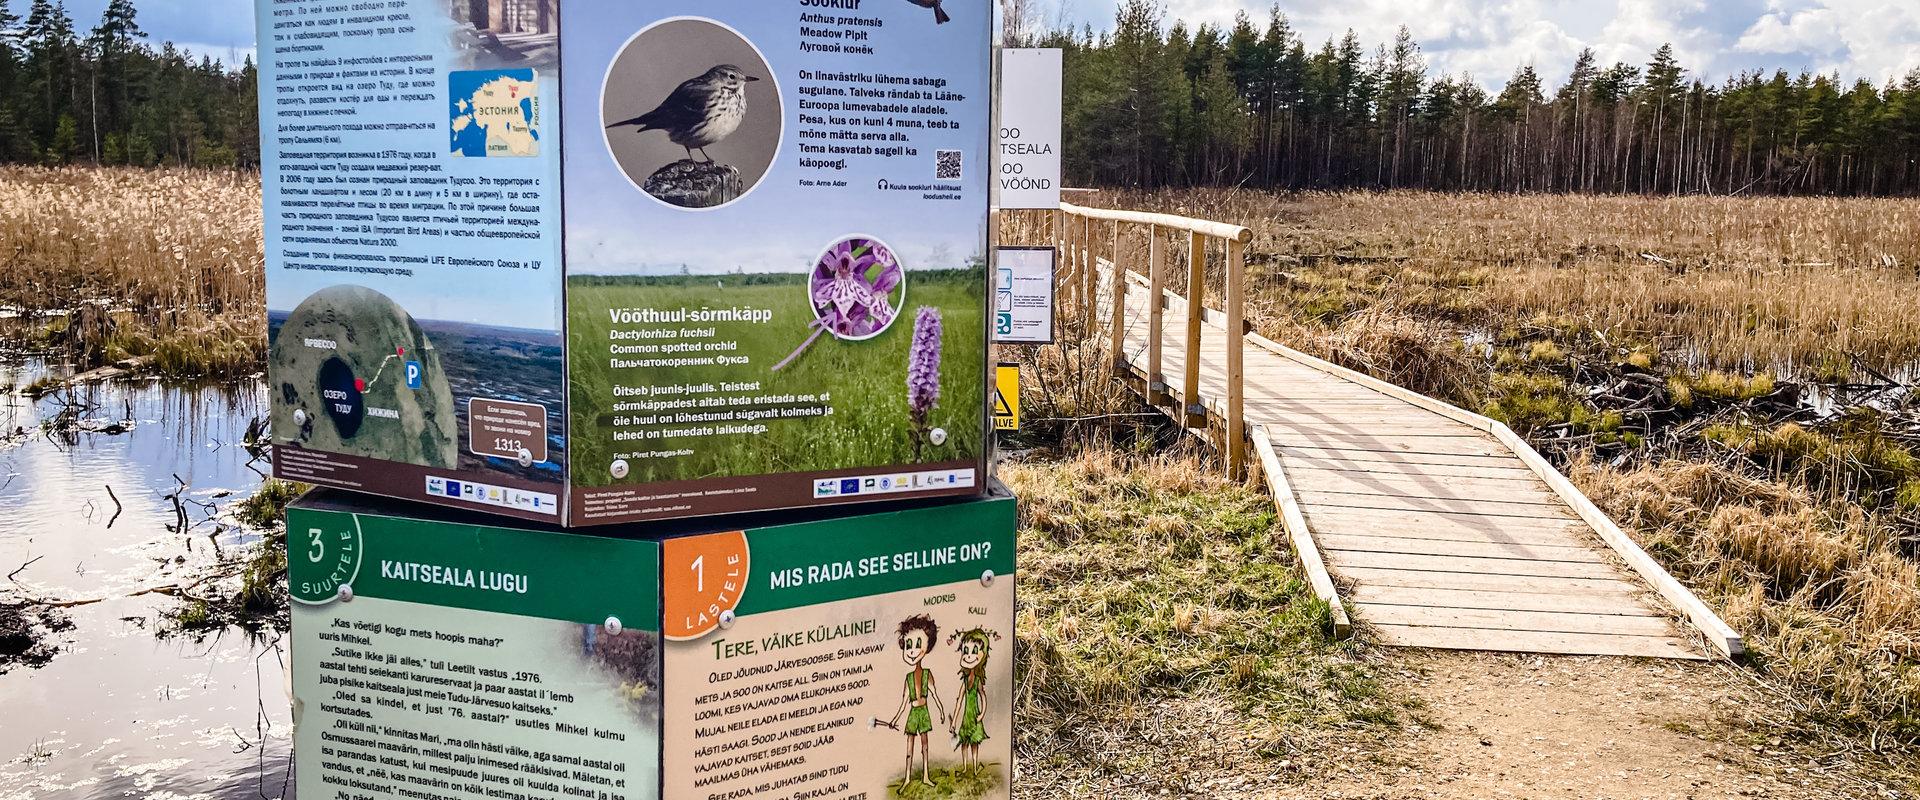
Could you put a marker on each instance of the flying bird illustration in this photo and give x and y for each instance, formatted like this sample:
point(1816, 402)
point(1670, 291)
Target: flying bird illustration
point(939, 14)
point(701, 111)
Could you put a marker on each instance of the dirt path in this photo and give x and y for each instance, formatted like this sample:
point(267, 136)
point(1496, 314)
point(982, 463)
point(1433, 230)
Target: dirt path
point(1524, 726)
point(1506, 726)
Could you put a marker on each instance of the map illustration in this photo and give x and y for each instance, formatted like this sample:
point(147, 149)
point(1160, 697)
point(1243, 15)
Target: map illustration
point(358, 375)
point(495, 113)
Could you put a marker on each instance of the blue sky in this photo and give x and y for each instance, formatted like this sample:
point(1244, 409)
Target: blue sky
point(219, 28)
point(1875, 39)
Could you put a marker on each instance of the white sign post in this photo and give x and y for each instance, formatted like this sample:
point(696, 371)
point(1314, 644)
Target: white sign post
point(1023, 296)
point(1027, 174)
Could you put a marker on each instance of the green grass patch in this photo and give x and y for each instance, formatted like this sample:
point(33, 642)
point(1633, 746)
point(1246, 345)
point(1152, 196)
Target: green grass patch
point(1148, 578)
point(267, 506)
point(864, 381)
point(948, 781)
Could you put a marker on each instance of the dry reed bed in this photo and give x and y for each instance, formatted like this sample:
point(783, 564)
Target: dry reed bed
point(1742, 283)
point(114, 263)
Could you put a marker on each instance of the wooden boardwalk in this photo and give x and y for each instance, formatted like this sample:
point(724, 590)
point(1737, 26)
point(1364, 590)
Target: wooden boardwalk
point(1433, 526)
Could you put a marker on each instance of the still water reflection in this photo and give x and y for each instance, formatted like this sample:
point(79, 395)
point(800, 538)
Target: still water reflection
point(121, 712)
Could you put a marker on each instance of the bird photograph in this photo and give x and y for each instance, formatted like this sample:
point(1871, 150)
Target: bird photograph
point(699, 112)
point(939, 14)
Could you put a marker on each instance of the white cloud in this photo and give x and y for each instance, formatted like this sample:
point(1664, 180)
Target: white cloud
point(1871, 39)
point(1713, 39)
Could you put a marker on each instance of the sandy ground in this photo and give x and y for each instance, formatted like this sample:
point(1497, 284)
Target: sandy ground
point(1501, 726)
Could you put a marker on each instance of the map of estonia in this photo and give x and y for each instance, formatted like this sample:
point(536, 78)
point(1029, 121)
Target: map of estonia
point(495, 114)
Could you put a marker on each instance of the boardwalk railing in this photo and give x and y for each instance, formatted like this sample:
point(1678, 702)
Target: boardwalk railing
point(1451, 530)
point(1086, 237)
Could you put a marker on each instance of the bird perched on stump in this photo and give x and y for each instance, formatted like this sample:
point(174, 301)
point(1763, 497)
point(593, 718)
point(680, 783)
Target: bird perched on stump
point(939, 14)
point(700, 111)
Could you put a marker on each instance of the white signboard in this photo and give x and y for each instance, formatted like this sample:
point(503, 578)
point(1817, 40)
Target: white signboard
point(1023, 296)
point(1027, 174)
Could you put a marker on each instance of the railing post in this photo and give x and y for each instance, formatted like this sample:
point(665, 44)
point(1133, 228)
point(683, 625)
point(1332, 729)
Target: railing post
point(1156, 279)
point(1236, 361)
point(1087, 278)
point(1196, 409)
point(1076, 233)
point(1118, 338)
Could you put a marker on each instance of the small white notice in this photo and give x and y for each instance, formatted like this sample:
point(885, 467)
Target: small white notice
point(1023, 295)
point(1028, 168)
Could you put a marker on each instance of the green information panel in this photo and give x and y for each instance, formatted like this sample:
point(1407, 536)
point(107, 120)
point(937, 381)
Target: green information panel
point(439, 659)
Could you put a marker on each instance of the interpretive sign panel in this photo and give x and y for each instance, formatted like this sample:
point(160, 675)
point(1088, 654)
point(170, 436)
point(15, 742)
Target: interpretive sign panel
point(438, 659)
point(663, 260)
point(864, 657)
point(1023, 295)
point(443, 661)
point(1027, 172)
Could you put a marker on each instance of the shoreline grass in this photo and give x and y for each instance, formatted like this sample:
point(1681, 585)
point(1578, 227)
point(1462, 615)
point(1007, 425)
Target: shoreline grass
point(108, 264)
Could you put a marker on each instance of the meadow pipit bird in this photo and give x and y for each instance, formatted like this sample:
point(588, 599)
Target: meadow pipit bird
point(700, 111)
point(939, 14)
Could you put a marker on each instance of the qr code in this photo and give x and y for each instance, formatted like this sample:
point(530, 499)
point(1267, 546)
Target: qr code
point(948, 168)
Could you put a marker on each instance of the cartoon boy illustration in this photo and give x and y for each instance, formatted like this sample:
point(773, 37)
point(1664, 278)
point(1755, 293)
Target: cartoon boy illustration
point(968, 724)
point(918, 635)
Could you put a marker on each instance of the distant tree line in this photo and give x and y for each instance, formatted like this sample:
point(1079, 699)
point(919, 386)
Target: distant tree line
point(107, 97)
point(1151, 105)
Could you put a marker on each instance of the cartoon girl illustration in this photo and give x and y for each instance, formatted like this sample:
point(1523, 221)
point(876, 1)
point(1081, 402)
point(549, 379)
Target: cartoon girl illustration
point(918, 635)
point(968, 724)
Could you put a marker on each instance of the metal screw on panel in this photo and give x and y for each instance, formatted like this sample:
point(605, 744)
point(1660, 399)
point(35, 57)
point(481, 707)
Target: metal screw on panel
point(612, 625)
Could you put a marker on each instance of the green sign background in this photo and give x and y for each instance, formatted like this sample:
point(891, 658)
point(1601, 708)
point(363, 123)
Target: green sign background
point(572, 578)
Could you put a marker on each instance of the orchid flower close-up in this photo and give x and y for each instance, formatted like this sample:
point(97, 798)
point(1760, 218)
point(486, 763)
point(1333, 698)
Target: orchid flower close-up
point(851, 291)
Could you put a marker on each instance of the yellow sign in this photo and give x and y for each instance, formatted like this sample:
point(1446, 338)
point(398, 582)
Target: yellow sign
point(1006, 398)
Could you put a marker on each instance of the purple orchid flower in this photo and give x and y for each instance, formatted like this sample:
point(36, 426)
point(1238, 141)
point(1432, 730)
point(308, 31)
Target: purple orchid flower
point(850, 289)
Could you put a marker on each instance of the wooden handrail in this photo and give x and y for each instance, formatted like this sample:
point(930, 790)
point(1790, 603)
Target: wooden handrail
point(1218, 230)
point(1081, 281)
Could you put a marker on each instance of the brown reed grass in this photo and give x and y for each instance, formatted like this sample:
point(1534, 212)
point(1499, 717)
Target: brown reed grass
point(1738, 283)
point(118, 263)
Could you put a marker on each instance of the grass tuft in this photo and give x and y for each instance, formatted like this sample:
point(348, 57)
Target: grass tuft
point(1147, 577)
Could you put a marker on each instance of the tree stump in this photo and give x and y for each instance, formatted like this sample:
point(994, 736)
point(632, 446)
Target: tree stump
point(695, 184)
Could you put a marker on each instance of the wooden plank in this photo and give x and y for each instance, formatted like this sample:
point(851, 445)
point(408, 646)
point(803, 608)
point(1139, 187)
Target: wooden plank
point(1296, 526)
point(1405, 523)
point(1426, 445)
point(1394, 469)
point(1441, 475)
point(1387, 431)
point(1490, 508)
point(1329, 455)
point(1590, 603)
point(1461, 581)
point(1719, 634)
point(1491, 619)
point(1482, 566)
point(1336, 526)
point(1370, 382)
point(1432, 547)
point(1535, 642)
point(1425, 487)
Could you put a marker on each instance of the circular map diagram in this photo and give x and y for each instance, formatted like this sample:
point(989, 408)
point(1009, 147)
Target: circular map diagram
point(355, 374)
